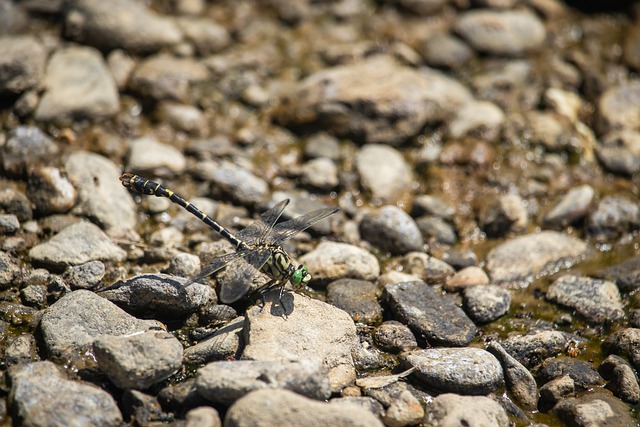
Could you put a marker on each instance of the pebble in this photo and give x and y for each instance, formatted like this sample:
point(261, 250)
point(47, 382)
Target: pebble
point(21, 350)
point(359, 298)
point(333, 260)
point(615, 108)
point(204, 416)
point(100, 193)
point(78, 84)
point(237, 182)
point(429, 205)
point(50, 191)
point(322, 144)
point(444, 50)
point(121, 65)
point(184, 265)
point(581, 372)
point(206, 36)
point(594, 409)
point(571, 208)
point(386, 107)
point(41, 395)
point(164, 77)
point(25, 147)
point(507, 215)
point(383, 172)
point(531, 349)
point(394, 337)
point(22, 59)
point(227, 381)
point(225, 343)
point(120, 24)
point(428, 268)
point(521, 258)
point(34, 295)
point(502, 33)
point(623, 381)
point(456, 370)
point(481, 119)
point(454, 410)
point(71, 325)
point(284, 408)
point(159, 295)
point(9, 224)
point(435, 230)
point(320, 173)
point(76, 244)
point(626, 274)
point(391, 229)
point(614, 216)
point(626, 343)
point(150, 157)
point(311, 330)
point(556, 390)
point(181, 396)
point(430, 315)
point(486, 303)
point(405, 410)
point(85, 276)
point(145, 409)
point(185, 118)
point(139, 360)
point(518, 379)
point(466, 278)
point(619, 151)
point(597, 300)
point(365, 402)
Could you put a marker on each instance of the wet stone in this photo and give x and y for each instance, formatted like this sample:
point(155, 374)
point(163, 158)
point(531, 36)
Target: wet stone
point(486, 303)
point(320, 173)
point(21, 350)
point(142, 407)
point(334, 260)
point(626, 274)
point(460, 258)
point(430, 315)
point(383, 172)
point(626, 343)
point(225, 343)
point(444, 50)
point(140, 360)
point(9, 224)
point(581, 372)
point(50, 191)
point(150, 157)
point(34, 295)
point(77, 244)
point(436, 230)
point(120, 24)
point(597, 300)
point(457, 370)
point(356, 297)
point(41, 396)
point(22, 61)
point(520, 258)
point(391, 229)
point(616, 106)
point(395, 337)
point(594, 409)
point(452, 409)
point(614, 216)
point(26, 146)
point(571, 208)
point(181, 396)
point(623, 381)
point(619, 152)
point(225, 382)
point(159, 295)
point(508, 214)
point(287, 409)
point(428, 268)
point(100, 194)
point(533, 348)
point(85, 276)
point(556, 390)
point(77, 85)
point(466, 278)
point(518, 379)
point(634, 317)
point(311, 330)
point(71, 324)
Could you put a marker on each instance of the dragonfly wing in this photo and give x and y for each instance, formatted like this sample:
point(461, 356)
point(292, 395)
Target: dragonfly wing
point(215, 265)
point(242, 274)
point(258, 230)
point(285, 230)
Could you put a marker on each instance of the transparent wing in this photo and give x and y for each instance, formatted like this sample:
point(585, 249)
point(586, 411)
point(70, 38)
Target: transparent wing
point(258, 231)
point(216, 264)
point(243, 272)
point(285, 230)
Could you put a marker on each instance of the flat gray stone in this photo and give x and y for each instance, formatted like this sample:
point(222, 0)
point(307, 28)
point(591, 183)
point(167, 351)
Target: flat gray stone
point(594, 409)
point(616, 108)
point(619, 151)
point(571, 208)
point(383, 172)
point(235, 181)
point(356, 297)
point(486, 303)
point(392, 230)
point(149, 157)
point(454, 410)
point(26, 146)
point(597, 300)
point(22, 63)
point(334, 260)
point(531, 349)
point(224, 344)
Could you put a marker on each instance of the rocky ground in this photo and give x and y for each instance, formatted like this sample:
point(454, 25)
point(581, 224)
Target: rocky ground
point(483, 268)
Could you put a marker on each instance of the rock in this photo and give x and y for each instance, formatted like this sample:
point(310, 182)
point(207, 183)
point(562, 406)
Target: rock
point(77, 85)
point(284, 408)
point(359, 298)
point(22, 63)
point(403, 411)
point(614, 216)
point(622, 379)
point(615, 108)
point(619, 152)
point(145, 409)
point(149, 157)
point(508, 214)
point(392, 230)
point(226, 382)
point(120, 24)
point(391, 105)
point(77, 244)
point(159, 295)
point(518, 379)
point(556, 390)
point(428, 268)
point(233, 181)
point(594, 409)
point(626, 343)
point(597, 300)
point(25, 147)
point(482, 119)
point(581, 372)
point(34, 295)
point(50, 191)
point(456, 370)
point(444, 50)
point(521, 258)
point(21, 350)
point(207, 36)
point(322, 144)
point(454, 410)
point(204, 416)
point(9, 224)
point(468, 277)
point(71, 325)
point(626, 274)
point(383, 172)
point(320, 173)
point(41, 396)
point(394, 337)
point(226, 343)
point(85, 276)
point(533, 348)
point(426, 204)
point(436, 230)
point(164, 77)
point(9, 269)
point(429, 314)
point(571, 208)
point(334, 260)
point(486, 303)
point(181, 396)
point(184, 265)
point(311, 330)
point(100, 194)
point(186, 118)
point(121, 65)
point(506, 33)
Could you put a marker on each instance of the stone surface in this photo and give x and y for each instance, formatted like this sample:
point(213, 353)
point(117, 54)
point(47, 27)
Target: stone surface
point(25, 147)
point(224, 344)
point(454, 410)
point(383, 172)
point(149, 157)
point(518, 379)
point(356, 297)
point(571, 208)
point(533, 348)
point(392, 230)
point(50, 191)
point(334, 260)
point(597, 300)
point(615, 108)
point(22, 63)
point(486, 303)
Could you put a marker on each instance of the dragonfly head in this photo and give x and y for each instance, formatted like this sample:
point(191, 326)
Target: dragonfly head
point(300, 277)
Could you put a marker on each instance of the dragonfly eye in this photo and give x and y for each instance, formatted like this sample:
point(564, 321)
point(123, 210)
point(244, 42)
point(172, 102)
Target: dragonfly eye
point(300, 276)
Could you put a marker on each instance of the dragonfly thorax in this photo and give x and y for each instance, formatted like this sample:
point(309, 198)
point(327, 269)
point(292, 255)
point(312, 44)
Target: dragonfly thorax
point(280, 267)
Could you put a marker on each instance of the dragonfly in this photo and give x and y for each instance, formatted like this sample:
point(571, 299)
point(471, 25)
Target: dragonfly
point(259, 244)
